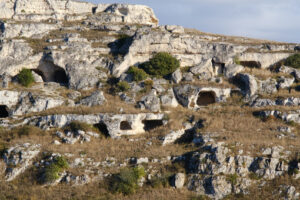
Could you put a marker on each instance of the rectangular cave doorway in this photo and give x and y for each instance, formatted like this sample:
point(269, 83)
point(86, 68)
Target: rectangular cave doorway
point(152, 124)
point(206, 97)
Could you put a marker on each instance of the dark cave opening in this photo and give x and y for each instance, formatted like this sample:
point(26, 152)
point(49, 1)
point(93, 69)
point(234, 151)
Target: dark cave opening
point(152, 124)
point(206, 97)
point(4, 111)
point(125, 125)
point(101, 126)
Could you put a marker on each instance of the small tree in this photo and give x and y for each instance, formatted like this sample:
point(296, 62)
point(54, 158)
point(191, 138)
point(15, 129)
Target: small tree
point(25, 77)
point(137, 73)
point(293, 61)
point(123, 86)
point(162, 64)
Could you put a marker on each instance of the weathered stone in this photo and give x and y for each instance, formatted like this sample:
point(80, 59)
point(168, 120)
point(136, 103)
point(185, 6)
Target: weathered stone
point(173, 136)
point(178, 180)
point(18, 159)
point(150, 102)
point(96, 99)
point(177, 76)
point(247, 83)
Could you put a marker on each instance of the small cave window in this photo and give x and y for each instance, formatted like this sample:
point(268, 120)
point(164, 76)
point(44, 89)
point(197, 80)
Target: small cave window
point(251, 64)
point(125, 125)
point(101, 126)
point(152, 124)
point(206, 98)
point(94, 9)
point(4, 111)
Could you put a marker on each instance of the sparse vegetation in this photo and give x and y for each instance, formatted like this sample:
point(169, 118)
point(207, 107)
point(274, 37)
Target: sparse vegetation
point(76, 126)
point(137, 73)
point(162, 64)
point(25, 77)
point(53, 170)
point(123, 86)
point(293, 61)
point(126, 181)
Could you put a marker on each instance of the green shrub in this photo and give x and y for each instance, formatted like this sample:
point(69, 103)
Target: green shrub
point(232, 178)
point(25, 77)
point(126, 181)
point(293, 61)
point(52, 171)
point(137, 73)
point(159, 182)
point(123, 86)
point(162, 64)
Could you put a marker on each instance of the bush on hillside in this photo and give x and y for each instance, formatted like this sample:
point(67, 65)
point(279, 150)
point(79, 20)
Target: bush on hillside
point(53, 170)
point(137, 73)
point(162, 64)
point(293, 61)
point(25, 77)
point(126, 181)
point(123, 86)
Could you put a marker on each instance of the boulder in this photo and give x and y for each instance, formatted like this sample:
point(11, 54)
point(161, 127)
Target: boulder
point(96, 99)
point(178, 180)
point(150, 102)
point(232, 69)
point(173, 136)
point(169, 99)
point(177, 76)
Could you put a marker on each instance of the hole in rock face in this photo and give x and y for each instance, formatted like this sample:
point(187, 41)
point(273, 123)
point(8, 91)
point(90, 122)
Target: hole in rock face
point(125, 125)
point(94, 9)
point(52, 73)
point(102, 128)
point(206, 98)
point(152, 124)
point(251, 64)
point(3, 111)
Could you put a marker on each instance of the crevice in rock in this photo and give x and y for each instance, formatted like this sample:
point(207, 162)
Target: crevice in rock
point(251, 64)
point(125, 125)
point(4, 111)
point(152, 124)
point(101, 126)
point(206, 98)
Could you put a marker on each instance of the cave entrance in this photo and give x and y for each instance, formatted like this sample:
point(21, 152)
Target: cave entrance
point(4, 111)
point(101, 126)
point(152, 124)
point(251, 64)
point(206, 97)
point(125, 125)
point(52, 73)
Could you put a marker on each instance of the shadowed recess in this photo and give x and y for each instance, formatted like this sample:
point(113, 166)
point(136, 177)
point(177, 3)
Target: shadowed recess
point(206, 98)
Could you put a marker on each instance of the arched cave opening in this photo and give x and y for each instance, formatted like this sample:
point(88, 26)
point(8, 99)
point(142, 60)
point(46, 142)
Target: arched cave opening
point(206, 97)
point(52, 73)
point(125, 125)
point(4, 111)
point(152, 124)
point(101, 126)
point(251, 64)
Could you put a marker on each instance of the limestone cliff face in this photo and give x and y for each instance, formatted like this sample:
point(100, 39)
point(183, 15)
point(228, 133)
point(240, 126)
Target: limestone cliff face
point(79, 36)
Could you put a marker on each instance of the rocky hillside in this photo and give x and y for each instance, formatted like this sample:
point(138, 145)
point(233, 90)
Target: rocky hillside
point(101, 102)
